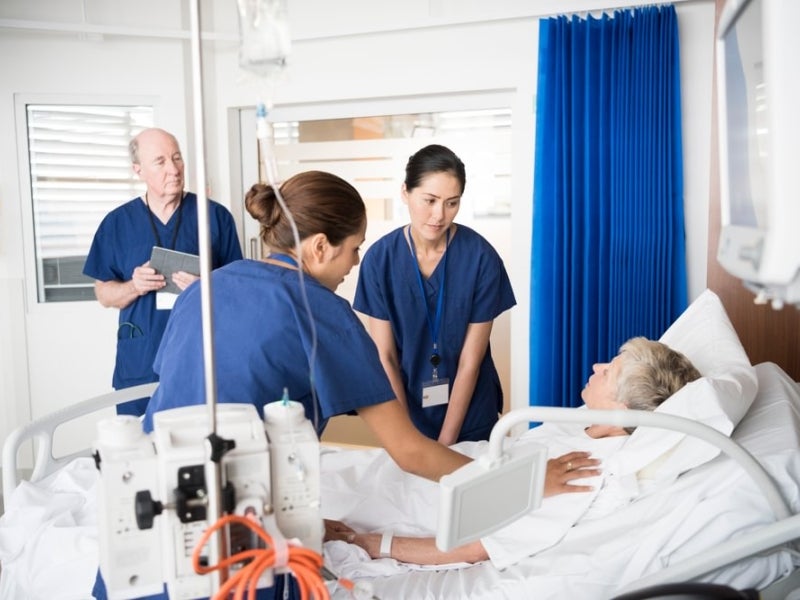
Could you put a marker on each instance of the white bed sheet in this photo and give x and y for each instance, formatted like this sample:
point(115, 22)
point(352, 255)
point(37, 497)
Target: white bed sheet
point(48, 536)
point(48, 542)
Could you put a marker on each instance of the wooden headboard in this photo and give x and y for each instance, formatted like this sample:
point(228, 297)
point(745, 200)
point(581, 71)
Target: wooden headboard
point(766, 334)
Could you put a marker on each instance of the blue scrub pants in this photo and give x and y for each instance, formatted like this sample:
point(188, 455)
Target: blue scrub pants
point(285, 588)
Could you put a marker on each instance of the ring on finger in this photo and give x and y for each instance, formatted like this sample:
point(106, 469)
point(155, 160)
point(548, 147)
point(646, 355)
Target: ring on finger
point(569, 466)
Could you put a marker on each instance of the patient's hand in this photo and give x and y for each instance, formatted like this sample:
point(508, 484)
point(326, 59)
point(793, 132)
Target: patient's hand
point(566, 468)
point(338, 531)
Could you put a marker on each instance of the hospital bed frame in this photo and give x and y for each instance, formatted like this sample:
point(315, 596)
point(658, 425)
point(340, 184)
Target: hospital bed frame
point(786, 530)
point(41, 431)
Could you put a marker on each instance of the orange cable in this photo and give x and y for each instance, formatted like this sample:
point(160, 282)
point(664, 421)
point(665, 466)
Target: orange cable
point(304, 564)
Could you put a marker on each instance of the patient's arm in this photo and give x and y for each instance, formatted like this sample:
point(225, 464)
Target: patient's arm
point(414, 550)
point(561, 471)
point(421, 551)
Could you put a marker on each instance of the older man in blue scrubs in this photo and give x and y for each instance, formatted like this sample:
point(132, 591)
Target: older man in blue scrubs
point(165, 216)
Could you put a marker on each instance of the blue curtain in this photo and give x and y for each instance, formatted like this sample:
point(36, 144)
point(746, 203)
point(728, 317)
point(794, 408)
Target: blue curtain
point(608, 251)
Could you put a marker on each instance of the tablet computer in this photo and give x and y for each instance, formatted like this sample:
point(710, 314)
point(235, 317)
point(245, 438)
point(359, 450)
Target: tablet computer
point(167, 262)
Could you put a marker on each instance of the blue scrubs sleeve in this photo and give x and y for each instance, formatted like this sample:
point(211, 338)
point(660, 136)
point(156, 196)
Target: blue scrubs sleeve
point(226, 241)
point(349, 373)
point(493, 293)
point(369, 298)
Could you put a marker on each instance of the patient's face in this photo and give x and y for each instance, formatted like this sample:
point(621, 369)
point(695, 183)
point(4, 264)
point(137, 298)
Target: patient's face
point(601, 390)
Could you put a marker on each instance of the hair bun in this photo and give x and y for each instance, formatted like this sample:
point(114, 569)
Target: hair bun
point(260, 201)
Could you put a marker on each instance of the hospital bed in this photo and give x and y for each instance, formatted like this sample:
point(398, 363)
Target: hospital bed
point(48, 536)
point(598, 558)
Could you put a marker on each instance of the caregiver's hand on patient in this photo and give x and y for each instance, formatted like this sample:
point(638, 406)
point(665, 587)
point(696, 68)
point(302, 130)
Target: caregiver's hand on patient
point(564, 469)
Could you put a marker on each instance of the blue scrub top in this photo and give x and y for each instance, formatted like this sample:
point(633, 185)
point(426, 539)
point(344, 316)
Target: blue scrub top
point(263, 343)
point(477, 290)
point(123, 241)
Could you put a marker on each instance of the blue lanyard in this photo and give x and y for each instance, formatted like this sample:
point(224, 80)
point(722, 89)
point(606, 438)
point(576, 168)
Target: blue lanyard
point(433, 322)
point(285, 258)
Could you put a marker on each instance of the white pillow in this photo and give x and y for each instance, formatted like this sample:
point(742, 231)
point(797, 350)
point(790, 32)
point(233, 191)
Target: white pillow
point(720, 398)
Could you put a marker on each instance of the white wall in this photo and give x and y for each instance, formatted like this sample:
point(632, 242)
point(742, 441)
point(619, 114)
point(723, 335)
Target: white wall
point(346, 56)
point(56, 354)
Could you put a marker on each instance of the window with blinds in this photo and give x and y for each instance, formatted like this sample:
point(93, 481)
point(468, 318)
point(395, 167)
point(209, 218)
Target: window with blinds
point(79, 171)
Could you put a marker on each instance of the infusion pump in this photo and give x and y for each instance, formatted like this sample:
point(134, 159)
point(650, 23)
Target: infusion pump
point(153, 491)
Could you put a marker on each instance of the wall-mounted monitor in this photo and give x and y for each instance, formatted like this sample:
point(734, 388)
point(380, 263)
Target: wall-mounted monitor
point(758, 88)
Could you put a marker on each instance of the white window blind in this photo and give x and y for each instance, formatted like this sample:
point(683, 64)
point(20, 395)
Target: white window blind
point(79, 171)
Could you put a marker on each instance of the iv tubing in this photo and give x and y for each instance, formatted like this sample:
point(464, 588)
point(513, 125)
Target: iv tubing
point(213, 469)
point(265, 138)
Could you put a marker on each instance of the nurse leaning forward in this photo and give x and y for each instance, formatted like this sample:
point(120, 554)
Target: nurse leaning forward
point(432, 290)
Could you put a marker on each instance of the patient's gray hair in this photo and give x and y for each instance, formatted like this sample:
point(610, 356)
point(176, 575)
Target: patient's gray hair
point(650, 373)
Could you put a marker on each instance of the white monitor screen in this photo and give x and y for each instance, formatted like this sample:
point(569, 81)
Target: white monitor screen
point(746, 120)
point(758, 61)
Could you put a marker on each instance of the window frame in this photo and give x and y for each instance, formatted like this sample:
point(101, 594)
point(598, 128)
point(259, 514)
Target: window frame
point(29, 253)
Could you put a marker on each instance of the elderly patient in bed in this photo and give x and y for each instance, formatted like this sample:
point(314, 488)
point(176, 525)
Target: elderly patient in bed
point(642, 376)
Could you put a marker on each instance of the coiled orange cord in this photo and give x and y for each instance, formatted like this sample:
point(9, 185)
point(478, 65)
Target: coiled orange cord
point(304, 564)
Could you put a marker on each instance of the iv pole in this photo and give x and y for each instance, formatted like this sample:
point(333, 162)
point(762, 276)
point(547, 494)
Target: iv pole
point(213, 468)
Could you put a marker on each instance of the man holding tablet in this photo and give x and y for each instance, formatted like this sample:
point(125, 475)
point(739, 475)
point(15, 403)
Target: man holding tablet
point(164, 217)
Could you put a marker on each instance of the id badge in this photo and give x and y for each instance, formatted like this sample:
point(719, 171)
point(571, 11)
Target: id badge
point(165, 300)
point(435, 392)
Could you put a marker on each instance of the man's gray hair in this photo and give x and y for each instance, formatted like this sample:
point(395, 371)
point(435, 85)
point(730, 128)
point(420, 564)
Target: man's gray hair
point(133, 150)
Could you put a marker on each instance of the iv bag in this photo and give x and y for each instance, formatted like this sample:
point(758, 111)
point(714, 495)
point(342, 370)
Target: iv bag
point(265, 39)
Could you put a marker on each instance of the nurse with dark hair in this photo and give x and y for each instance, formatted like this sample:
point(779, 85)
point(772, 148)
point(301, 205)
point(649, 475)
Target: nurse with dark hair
point(432, 290)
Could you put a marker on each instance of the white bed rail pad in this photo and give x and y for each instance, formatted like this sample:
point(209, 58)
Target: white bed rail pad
point(512, 485)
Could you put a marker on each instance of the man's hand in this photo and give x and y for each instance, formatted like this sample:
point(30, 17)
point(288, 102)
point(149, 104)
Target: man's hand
point(145, 279)
point(183, 279)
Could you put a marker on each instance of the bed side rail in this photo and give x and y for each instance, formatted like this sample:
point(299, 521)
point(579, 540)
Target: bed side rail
point(42, 430)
